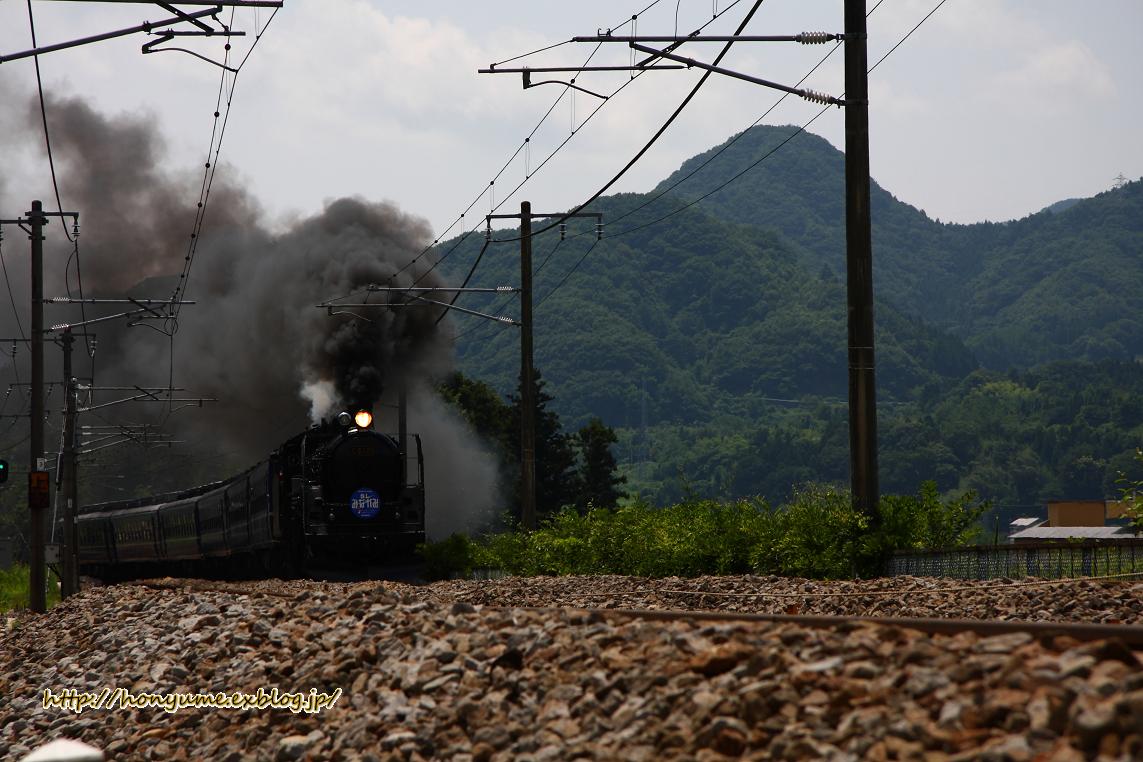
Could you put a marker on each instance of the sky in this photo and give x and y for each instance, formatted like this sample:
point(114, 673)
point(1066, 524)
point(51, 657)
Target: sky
point(991, 110)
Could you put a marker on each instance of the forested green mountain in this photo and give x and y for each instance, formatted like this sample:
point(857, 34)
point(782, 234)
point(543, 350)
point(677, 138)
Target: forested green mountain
point(714, 338)
point(1065, 283)
point(1065, 430)
point(684, 320)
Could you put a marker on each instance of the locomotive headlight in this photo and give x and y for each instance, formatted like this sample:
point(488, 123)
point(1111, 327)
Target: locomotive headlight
point(363, 419)
point(344, 419)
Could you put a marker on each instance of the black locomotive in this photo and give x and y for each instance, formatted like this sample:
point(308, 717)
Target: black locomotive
point(338, 494)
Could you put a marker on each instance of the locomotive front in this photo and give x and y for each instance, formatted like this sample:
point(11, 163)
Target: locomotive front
point(361, 504)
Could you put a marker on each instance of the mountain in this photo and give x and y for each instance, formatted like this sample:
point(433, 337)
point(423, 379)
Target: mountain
point(1061, 206)
point(685, 319)
point(709, 327)
point(1051, 286)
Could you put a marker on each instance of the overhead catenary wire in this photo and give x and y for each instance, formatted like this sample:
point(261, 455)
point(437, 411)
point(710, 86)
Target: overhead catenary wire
point(718, 152)
point(770, 153)
point(569, 273)
point(499, 307)
point(467, 278)
point(214, 151)
point(56, 187)
point(658, 133)
point(627, 82)
point(504, 199)
point(218, 132)
point(774, 150)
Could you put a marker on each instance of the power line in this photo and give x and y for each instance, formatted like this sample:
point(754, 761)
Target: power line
point(214, 151)
point(211, 166)
point(526, 143)
point(770, 153)
point(467, 278)
point(908, 34)
point(562, 220)
point(11, 298)
point(56, 187)
point(660, 131)
point(569, 273)
point(718, 152)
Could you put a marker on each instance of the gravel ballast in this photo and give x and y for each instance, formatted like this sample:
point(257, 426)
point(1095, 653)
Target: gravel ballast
point(432, 673)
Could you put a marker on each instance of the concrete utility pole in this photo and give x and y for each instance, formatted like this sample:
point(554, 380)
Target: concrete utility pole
point(859, 268)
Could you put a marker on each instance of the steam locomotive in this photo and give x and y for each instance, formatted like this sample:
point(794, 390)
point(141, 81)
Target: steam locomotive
point(338, 494)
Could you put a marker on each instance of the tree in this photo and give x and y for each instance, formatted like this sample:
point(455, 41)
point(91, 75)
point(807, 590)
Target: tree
point(555, 458)
point(482, 407)
point(598, 479)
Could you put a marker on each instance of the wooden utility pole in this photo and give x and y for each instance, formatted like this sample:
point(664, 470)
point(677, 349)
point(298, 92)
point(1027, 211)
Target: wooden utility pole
point(39, 488)
point(527, 371)
point(859, 257)
point(36, 575)
point(527, 386)
point(859, 267)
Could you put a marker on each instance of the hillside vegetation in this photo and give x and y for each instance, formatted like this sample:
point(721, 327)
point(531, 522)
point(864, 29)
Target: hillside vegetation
point(1065, 283)
point(714, 339)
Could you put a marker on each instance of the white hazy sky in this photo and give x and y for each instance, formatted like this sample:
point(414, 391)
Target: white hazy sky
point(991, 110)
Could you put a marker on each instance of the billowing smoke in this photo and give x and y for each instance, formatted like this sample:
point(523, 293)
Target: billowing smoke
point(255, 339)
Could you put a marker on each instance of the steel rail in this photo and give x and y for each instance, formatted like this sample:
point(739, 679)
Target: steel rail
point(1128, 634)
point(1131, 635)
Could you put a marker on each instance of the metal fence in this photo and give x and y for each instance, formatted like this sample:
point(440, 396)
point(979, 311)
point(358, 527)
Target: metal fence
point(1042, 560)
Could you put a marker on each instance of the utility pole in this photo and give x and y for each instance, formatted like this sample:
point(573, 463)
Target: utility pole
point(36, 576)
point(69, 481)
point(33, 223)
point(527, 388)
point(859, 257)
point(859, 268)
point(527, 369)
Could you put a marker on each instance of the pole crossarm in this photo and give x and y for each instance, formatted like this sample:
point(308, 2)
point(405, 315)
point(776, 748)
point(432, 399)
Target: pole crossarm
point(146, 397)
point(805, 38)
point(30, 216)
point(422, 302)
point(562, 215)
point(167, 442)
point(809, 95)
point(577, 69)
point(449, 289)
point(193, 3)
point(137, 302)
point(145, 311)
point(146, 26)
point(143, 389)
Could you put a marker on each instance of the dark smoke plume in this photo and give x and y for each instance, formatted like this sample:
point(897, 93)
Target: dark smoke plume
point(255, 339)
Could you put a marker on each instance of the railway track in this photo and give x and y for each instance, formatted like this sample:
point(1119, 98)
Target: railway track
point(1129, 634)
point(555, 668)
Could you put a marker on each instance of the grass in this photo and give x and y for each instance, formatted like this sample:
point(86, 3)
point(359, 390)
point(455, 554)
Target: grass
point(14, 589)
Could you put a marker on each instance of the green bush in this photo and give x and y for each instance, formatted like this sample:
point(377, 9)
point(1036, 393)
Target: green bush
point(450, 558)
point(818, 534)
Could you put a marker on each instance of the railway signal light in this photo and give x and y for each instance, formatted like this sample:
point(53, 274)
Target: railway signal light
point(3, 471)
point(39, 491)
